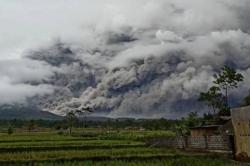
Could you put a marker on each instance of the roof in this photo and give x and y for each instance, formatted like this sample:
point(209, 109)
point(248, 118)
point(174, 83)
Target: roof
point(205, 127)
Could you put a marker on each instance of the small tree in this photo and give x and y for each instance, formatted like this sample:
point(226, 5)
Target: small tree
point(181, 128)
point(81, 112)
point(208, 119)
point(192, 119)
point(71, 118)
point(213, 98)
point(74, 111)
point(228, 79)
point(31, 125)
point(10, 130)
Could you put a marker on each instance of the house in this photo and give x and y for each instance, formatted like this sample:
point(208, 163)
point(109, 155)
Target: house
point(204, 130)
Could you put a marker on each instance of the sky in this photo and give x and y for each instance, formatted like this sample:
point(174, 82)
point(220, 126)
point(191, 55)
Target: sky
point(147, 57)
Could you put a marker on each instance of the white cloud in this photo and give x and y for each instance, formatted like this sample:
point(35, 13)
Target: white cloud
point(18, 93)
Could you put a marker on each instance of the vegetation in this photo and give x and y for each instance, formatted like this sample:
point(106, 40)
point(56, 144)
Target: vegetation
point(246, 101)
point(10, 130)
point(228, 79)
point(166, 161)
point(104, 147)
point(119, 129)
point(31, 125)
point(213, 98)
point(70, 118)
point(147, 124)
point(217, 96)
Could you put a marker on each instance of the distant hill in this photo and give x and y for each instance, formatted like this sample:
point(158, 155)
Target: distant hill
point(31, 112)
point(25, 112)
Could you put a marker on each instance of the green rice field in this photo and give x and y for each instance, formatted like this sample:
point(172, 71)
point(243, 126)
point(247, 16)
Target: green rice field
point(98, 148)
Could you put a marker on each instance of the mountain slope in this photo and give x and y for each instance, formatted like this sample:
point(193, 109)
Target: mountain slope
point(25, 112)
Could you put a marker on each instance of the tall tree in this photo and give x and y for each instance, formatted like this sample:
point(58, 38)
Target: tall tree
point(217, 96)
point(228, 79)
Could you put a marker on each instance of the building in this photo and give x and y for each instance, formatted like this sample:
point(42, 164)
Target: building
point(208, 130)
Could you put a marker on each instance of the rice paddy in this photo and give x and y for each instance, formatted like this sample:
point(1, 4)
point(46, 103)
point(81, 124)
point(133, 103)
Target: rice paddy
point(97, 148)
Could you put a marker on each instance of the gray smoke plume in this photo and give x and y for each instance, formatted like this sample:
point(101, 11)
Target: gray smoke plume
point(150, 59)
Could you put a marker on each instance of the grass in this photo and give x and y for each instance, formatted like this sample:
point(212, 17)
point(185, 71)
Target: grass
point(135, 135)
point(103, 134)
point(82, 154)
point(68, 143)
point(36, 136)
point(65, 147)
point(180, 161)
